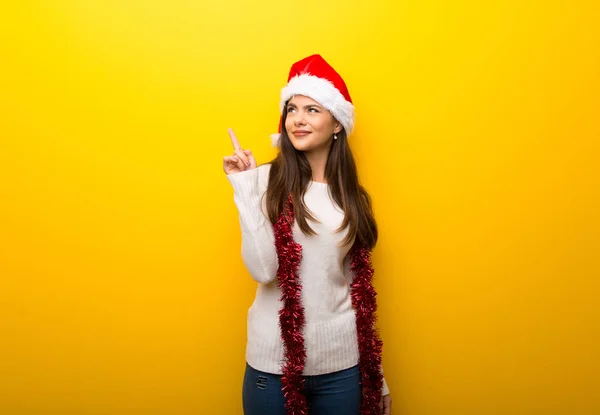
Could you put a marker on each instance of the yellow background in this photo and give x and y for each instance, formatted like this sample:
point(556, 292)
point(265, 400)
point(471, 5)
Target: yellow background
point(122, 290)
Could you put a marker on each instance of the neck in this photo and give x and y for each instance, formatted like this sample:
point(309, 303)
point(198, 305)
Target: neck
point(318, 161)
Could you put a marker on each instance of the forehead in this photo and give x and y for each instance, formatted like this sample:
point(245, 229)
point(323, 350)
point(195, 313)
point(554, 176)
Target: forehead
point(302, 100)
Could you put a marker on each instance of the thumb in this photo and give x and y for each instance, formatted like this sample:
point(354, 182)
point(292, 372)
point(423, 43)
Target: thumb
point(251, 158)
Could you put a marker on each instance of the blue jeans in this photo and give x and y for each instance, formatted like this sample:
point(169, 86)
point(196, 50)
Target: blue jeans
point(337, 393)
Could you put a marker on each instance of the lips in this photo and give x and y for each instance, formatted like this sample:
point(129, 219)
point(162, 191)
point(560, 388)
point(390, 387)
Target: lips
point(300, 133)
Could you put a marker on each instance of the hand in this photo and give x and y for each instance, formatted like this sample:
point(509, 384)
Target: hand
point(385, 405)
point(241, 160)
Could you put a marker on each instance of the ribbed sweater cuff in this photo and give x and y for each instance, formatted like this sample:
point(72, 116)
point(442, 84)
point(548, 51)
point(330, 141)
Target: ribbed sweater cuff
point(385, 390)
point(247, 198)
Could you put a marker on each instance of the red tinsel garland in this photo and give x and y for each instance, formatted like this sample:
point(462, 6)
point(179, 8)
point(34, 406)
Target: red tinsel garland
point(292, 320)
point(291, 315)
point(369, 343)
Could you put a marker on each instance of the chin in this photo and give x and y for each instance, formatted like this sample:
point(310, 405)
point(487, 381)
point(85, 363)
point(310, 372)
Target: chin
point(299, 145)
point(302, 148)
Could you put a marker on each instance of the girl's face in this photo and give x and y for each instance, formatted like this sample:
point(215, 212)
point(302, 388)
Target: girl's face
point(309, 126)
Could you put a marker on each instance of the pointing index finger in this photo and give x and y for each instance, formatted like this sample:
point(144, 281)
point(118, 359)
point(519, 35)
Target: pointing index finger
point(234, 140)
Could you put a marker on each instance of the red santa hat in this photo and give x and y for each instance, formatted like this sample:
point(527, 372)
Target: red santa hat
point(315, 78)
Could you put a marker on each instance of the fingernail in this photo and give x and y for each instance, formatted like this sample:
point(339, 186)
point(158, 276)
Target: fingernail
point(248, 163)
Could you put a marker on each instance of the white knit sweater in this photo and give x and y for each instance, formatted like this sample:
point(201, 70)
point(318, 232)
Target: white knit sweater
point(330, 330)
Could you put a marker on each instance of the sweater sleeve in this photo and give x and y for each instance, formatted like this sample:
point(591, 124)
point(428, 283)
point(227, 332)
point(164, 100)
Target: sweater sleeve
point(258, 240)
point(349, 277)
point(385, 390)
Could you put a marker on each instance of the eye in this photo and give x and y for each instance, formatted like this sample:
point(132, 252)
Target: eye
point(290, 109)
point(313, 109)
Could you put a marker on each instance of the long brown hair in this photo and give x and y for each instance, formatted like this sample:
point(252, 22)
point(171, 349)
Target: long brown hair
point(291, 174)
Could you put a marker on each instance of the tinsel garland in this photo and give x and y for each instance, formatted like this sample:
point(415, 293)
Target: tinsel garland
point(292, 320)
point(369, 343)
point(291, 315)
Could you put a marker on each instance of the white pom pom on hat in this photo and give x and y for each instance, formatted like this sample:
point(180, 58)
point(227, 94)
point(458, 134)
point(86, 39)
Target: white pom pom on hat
point(315, 78)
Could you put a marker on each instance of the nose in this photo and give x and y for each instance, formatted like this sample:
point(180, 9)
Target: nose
point(299, 120)
point(297, 117)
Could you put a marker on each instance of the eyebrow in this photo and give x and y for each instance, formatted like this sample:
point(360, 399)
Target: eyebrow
point(306, 106)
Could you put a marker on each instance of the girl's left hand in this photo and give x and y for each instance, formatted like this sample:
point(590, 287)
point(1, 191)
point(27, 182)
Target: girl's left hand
point(386, 405)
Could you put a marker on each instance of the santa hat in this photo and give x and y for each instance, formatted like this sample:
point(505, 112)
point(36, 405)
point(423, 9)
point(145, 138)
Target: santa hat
point(315, 78)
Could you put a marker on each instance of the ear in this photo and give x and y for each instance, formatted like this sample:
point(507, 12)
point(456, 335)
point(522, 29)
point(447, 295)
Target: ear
point(338, 127)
